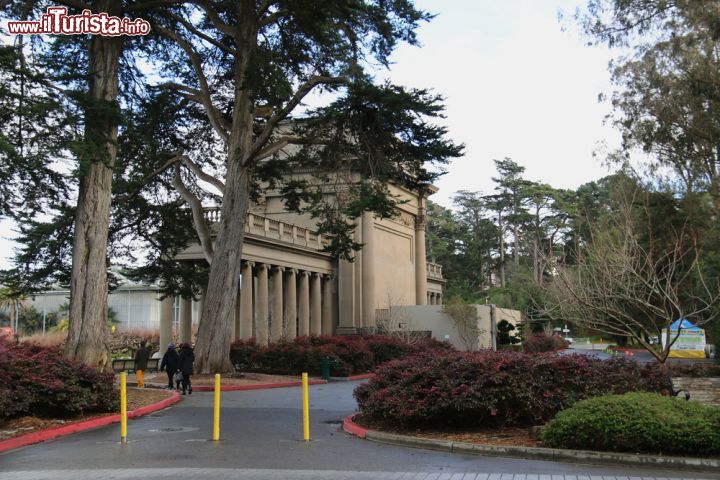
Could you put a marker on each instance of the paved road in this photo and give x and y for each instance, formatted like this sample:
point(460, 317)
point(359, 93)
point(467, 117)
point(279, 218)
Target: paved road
point(635, 354)
point(261, 439)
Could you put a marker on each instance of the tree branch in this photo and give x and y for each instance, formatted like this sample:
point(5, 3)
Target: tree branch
point(214, 17)
point(213, 113)
point(152, 4)
point(301, 93)
point(79, 4)
point(201, 226)
point(217, 183)
point(265, 6)
point(190, 27)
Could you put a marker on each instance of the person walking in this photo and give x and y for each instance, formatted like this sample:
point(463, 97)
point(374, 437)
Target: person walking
point(141, 360)
point(187, 357)
point(170, 363)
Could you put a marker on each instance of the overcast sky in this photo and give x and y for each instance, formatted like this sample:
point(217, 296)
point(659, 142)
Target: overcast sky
point(515, 84)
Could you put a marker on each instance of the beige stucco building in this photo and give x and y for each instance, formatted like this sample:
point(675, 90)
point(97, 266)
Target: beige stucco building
point(289, 286)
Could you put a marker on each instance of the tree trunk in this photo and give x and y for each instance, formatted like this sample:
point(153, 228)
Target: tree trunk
point(12, 311)
point(88, 284)
point(212, 351)
point(536, 262)
point(502, 251)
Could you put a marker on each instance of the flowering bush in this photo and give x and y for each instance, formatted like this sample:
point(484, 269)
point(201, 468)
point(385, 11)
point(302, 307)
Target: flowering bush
point(348, 354)
point(494, 388)
point(39, 381)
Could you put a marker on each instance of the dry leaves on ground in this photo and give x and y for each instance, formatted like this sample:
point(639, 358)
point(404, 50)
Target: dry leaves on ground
point(499, 436)
point(136, 398)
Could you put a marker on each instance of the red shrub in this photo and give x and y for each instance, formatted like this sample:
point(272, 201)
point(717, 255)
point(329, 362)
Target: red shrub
point(488, 387)
point(37, 380)
point(539, 342)
point(348, 354)
point(695, 370)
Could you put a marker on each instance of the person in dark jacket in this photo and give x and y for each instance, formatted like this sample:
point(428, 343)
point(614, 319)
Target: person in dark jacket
point(187, 357)
point(141, 360)
point(170, 363)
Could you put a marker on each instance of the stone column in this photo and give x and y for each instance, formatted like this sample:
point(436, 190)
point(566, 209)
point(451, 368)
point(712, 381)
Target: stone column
point(346, 297)
point(166, 321)
point(185, 321)
point(420, 260)
point(246, 301)
point(327, 305)
point(290, 305)
point(368, 270)
point(304, 304)
point(237, 335)
point(262, 329)
point(439, 299)
point(276, 304)
point(315, 304)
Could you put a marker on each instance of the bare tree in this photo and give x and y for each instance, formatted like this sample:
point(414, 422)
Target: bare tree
point(465, 320)
point(623, 288)
point(395, 321)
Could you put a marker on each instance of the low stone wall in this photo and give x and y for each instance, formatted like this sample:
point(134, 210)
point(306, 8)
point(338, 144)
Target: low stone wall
point(704, 390)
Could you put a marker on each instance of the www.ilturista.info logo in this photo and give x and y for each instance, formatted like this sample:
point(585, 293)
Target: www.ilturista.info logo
point(57, 22)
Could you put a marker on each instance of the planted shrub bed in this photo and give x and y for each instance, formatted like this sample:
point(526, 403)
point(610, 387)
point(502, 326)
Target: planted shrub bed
point(348, 354)
point(540, 342)
point(39, 381)
point(488, 388)
point(695, 370)
point(637, 422)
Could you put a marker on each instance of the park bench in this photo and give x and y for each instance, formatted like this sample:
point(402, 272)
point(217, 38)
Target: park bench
point(128, 365)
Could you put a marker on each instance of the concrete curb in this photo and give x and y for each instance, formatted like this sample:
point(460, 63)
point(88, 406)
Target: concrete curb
point(534, 453)
point(55, 432)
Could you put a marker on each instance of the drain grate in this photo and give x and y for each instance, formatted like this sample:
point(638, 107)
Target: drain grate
point(171, 429)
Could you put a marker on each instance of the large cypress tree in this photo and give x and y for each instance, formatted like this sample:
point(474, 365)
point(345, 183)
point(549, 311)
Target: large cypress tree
point(86, 71)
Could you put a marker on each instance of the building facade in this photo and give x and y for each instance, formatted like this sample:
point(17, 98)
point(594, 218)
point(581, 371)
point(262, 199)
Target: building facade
point(289, 286)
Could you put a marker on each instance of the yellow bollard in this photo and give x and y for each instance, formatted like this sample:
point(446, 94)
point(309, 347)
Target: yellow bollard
point(216, 417)
point(306, 408)
point(123, 407)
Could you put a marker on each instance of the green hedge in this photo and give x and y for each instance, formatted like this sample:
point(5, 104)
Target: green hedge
point(637, 423)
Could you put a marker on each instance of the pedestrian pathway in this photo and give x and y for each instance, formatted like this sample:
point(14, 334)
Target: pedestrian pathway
point(226, 473)
point(261, 438)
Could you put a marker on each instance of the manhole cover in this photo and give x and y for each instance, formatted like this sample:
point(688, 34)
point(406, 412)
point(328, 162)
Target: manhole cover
point(171, 429)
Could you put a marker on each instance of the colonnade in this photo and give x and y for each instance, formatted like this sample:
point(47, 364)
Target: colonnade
point(276, 302)
point(273, 302)
point(434, 298)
